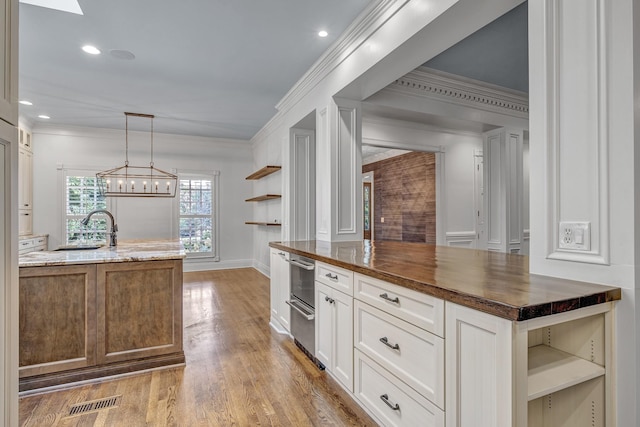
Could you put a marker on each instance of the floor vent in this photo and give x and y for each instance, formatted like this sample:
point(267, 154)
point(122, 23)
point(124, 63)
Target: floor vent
point(94, 405)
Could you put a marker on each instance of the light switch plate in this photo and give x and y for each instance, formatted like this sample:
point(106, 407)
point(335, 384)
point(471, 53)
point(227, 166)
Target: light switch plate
point(574, 236)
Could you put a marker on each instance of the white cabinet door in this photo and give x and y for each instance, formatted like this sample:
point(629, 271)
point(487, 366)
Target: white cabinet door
point(324, 314)
point(280, 289)
point(9, 61)
point(343, 338)
point(334, 333)
point(479, 369)
point(25, 186)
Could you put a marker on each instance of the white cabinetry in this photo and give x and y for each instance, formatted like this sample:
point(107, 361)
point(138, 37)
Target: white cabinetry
point(25, 183)
point(280, 290)
point(33, 244)
point(9, 62)
point(548, 371)
point(334, 322)
point(334, 333)
point(399, 353)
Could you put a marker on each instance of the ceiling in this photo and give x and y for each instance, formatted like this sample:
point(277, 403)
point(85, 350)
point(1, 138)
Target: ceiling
point(213, 68)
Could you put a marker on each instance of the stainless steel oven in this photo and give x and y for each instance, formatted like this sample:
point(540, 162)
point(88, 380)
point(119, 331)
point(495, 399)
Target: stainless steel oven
point(302, 303)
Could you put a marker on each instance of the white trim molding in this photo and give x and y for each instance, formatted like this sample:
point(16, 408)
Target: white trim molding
point(461, 239)
point(429, 83)
point(577, 143)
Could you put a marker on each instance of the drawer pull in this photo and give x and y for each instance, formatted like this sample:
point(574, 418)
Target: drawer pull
point(385, 341)
point(331, 300)
point(395, 300)
point(385, 399)
point(332, 276)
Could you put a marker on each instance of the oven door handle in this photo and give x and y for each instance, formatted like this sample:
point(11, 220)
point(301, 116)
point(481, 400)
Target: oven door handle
point(305, 266)
point(293, 304)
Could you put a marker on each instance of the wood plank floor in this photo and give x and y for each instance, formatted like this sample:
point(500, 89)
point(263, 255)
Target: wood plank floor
point(239, 372)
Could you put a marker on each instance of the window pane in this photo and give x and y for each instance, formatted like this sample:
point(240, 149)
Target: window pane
point(82, 197)
point(195, 201)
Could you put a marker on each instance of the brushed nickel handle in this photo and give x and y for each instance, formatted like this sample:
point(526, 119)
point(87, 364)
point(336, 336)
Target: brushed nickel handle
point(385, 399)
point(296, 307)
point(385, 341)
point(385, 296)
point(332, 276)
point(308, 267)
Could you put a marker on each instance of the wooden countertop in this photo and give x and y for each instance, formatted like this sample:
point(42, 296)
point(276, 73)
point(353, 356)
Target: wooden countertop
point(126, 251)
point(493, 282)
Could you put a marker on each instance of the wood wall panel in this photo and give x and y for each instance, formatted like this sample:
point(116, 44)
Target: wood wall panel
point(404, 194)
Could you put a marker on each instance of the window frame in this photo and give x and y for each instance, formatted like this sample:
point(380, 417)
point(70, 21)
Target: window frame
point(214, 255)
point(67, 172)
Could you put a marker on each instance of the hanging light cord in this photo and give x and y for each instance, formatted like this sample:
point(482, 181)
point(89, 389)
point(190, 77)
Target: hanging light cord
point(151, 162)
point(126, 140)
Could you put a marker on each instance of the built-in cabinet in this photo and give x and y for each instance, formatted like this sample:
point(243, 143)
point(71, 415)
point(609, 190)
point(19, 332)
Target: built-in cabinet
point(9, 62)
point(399, 353)
point(387, 343)
point(259, 174)
point(334, 322)
point(79, 322)
point(25, 183)
point(548, 371)
point(32, 244)
point(280, 290)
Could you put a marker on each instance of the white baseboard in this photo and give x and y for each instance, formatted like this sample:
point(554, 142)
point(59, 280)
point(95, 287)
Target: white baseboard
point(262, 268)
point(461, 239)
point(191, 265)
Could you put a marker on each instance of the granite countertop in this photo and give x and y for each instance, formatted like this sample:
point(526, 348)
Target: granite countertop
point(493, 282)
point(126, 251)
point(33, 236)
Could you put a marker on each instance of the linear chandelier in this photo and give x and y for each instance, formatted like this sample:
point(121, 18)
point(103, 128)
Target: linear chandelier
point(137, 181)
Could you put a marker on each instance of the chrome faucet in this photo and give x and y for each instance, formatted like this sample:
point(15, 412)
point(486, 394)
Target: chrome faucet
point(113, 240)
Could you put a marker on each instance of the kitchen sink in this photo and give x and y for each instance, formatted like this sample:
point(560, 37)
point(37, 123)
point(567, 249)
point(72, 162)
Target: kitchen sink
point(78, 247)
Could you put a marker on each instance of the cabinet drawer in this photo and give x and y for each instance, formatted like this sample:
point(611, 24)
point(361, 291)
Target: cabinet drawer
point(412, 354)
point(39, 241)
point(335, 277)
point(25, 246)
point(391, 401)
point(419, 309)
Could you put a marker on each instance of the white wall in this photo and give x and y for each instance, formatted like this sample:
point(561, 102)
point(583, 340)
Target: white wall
point(145, 218)
point(458, 150)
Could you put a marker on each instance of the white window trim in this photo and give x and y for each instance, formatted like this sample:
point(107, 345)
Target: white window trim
point(63, 173)
point(215, 213)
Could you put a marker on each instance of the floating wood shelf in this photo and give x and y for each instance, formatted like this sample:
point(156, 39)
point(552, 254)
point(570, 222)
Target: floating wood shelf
point(267, 170)
point(552, 370)
point(263, 197)
point(263, 223)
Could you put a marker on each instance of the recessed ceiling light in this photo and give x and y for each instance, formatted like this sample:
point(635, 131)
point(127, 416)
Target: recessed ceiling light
point(122, 54)
point(323, 33)
point(44, 116)
point(91, 49)
point(25, 102)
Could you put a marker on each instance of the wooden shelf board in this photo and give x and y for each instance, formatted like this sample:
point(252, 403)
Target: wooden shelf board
point(264, 197)
point(267, 170)
point(551, 370)
point(263, 223)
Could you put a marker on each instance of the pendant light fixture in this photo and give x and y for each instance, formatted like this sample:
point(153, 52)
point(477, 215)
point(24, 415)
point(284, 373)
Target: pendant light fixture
point(137, 181)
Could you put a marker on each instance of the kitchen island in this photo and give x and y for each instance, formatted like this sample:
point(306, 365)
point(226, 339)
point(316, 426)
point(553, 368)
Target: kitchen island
point(90, 313)
point(461, 337)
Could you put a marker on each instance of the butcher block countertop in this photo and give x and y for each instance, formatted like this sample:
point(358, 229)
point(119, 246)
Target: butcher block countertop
point(126, 251)
point(493, 282)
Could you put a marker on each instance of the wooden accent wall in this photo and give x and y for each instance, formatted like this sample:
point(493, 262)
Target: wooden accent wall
point(404, 194)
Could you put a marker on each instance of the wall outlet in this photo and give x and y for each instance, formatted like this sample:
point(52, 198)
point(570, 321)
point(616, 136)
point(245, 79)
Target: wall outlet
point(575, 236)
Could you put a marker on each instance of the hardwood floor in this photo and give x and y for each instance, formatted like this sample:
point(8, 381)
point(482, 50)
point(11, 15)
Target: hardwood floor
point(239, 372)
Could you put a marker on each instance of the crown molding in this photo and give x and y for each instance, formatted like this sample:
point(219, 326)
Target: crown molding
point(429, 83)
point(367, 23)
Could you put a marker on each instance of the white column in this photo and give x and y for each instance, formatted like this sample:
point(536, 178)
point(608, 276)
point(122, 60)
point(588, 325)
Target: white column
point(503, 189)
point(584, 79)
point(338, 172)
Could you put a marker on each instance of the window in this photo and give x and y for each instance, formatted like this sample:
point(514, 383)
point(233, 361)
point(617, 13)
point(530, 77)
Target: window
point(82, 196)
point(197, 214)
